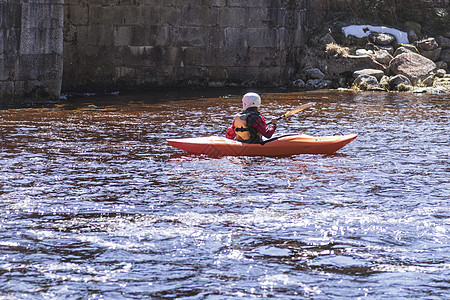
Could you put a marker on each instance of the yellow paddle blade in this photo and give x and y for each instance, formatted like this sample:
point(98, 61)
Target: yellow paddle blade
point(298, 109)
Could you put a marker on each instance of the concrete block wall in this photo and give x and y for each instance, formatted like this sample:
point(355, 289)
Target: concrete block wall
point(111, 44)
point(31, 48)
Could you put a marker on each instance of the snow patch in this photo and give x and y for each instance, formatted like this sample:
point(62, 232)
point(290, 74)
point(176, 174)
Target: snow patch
point(361, 31)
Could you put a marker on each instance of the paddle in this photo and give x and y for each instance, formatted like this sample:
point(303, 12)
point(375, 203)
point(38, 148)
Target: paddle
point(294, 111)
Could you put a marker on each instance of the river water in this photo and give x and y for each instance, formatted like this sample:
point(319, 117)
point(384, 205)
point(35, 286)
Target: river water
point(95, 204)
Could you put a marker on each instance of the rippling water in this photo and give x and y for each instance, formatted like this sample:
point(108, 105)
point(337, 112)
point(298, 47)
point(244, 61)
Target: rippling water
point(95, 204)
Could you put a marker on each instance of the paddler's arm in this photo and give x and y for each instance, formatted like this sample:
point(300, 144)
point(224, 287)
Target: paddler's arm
point(261, 126)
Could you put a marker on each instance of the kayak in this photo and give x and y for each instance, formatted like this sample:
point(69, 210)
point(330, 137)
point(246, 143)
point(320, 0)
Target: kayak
point(279, 146)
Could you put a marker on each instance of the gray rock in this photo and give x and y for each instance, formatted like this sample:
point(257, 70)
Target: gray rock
point(441, 65)
point(383, 57)
point(405, 48)
point(384, 82)
point(443, 41)
point(361, 52)
point(427, 44)
point(441, 73)
point(299, 84)
point(415, 66)
point(432, 54)
point(342, 82)
point(378, 74)
point(371, 46)
point(445, 56)
point(355, 41)
point(381, 38)
point(365, 80)
point(428, 81)
point(317, 84)
point(351, 63)
point(388, 48)
point(313, 73)
point(397, 80)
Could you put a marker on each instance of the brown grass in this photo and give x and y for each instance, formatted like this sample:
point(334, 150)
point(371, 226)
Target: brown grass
point(404, 87)
point(335, 51)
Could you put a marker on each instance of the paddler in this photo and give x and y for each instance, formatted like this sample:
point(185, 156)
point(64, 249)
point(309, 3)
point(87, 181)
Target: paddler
point(249, 126)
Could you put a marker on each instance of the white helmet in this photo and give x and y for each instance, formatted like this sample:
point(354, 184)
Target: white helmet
point(251, 99)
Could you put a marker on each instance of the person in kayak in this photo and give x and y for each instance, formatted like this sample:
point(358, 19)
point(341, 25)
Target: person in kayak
point(249, 126)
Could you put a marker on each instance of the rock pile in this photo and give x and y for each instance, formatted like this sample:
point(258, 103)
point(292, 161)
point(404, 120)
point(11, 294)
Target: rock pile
point(406, 65)
point(379, 62)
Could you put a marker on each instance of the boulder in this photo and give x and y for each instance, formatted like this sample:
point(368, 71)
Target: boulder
point(445, 56)
point(427, 44)
point(365, 81)
point(405, 48)
point(383, 57)
point(349, 64)
point(299, 84)
point(342, 82)
point(371, 46)
point(361, 52)
point(432, 54)
point(318, 84)
point(382, 39)
point(388, 48)
point(384, 82)
point(415, 66)
point(441, 65)
point(443, 41)
point(441, 73)
point(352, 40)
point(313, 73)
point(378, 74)
point(397, 80)
point(428, 81)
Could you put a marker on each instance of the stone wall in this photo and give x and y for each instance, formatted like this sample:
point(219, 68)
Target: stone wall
point(31, 48)
point(113, 44)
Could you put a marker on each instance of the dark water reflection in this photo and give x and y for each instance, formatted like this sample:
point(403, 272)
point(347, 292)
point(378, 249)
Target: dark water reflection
point(94, 203)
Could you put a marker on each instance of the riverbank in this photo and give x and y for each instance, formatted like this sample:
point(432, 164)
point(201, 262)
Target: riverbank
point(376, 58)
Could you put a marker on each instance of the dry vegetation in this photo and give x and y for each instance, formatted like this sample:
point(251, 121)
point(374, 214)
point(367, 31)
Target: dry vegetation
point(336, 51)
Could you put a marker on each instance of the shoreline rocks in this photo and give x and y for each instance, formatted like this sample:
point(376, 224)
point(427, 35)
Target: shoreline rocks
point(378, 62)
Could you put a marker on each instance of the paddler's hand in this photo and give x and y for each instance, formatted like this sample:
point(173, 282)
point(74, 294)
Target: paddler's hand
point(273, 121)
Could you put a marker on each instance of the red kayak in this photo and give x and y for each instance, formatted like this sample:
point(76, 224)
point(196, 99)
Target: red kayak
point(279, 146)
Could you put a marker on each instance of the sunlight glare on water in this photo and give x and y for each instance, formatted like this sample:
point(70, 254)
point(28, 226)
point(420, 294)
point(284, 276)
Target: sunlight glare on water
point(94, 202)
